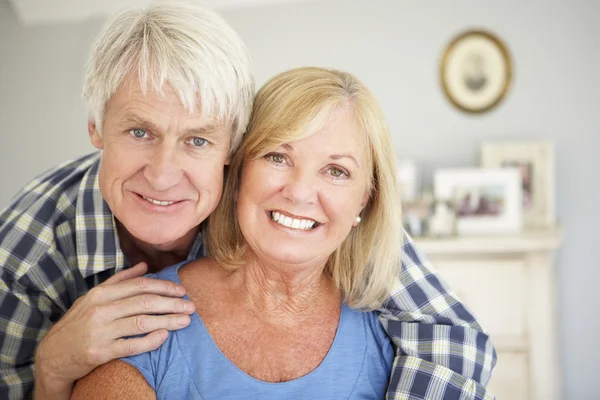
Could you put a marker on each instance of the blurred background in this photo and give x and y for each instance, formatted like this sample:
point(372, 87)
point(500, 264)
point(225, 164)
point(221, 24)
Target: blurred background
point(395, 47)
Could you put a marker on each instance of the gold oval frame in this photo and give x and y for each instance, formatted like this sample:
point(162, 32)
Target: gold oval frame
point(507, 60)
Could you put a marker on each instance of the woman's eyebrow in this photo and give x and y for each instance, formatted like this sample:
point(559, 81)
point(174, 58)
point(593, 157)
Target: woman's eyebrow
point(290, 147)
point(340, 156)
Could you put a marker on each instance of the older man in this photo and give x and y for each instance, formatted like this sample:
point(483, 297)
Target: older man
point(169, 91)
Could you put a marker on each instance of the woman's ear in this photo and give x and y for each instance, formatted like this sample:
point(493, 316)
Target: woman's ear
point(363, 204)
point(95, 136)
point(365, 200)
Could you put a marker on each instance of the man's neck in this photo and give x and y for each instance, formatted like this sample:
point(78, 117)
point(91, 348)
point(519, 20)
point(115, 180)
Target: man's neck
point(156, 257)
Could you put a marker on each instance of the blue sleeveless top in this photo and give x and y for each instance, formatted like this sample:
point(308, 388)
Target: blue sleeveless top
point(189, 365)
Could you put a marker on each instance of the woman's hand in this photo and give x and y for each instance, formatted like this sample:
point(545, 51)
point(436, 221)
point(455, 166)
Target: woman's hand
point(91, 332)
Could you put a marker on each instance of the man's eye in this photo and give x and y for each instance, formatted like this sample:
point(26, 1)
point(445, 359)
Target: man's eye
point(138, 133)
point(199, 142)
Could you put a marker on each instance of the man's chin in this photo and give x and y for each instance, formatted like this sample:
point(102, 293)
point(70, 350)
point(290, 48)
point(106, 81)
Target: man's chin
point(164, 239)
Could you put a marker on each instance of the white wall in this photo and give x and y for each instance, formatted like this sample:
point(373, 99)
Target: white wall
point(394, 46)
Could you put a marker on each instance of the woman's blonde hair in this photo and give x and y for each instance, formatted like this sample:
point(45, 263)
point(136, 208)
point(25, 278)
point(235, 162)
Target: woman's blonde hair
point(179, 42)
point(294, 105)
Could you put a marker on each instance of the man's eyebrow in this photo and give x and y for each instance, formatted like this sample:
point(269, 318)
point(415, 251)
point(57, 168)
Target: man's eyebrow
point(209, 130)
point(139, 122)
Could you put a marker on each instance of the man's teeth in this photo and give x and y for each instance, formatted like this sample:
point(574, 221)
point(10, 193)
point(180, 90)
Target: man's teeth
point(302, 224)
point(158, 202)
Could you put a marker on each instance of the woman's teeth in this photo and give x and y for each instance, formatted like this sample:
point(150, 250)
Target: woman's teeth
point(302, 224)
point(158, 202)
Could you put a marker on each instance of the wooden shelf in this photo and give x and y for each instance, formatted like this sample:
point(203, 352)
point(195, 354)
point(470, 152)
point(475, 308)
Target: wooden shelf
point(508, 282)
point(510, 345)
point(523, 242)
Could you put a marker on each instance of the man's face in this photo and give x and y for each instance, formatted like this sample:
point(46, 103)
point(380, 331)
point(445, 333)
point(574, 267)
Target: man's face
point(162, 167)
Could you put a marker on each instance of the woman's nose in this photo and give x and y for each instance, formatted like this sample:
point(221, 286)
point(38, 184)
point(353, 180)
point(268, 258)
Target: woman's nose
point(301, 187)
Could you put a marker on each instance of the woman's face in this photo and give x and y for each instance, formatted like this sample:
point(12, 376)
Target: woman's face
point(297, 204)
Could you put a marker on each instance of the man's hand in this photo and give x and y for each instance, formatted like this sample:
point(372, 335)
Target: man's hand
point(91, 332)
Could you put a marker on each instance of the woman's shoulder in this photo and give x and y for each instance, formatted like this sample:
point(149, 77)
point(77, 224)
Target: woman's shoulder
point(166, 363)
point(379, 344)
point(99, 384)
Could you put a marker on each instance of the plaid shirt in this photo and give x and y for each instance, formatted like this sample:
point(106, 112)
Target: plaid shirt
point(58, 239)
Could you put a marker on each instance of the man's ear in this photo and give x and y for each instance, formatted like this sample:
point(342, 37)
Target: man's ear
point(95, 136)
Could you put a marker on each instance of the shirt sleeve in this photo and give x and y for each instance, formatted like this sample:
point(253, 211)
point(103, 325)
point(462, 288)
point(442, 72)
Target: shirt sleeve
point(26, 314)
point(143, 363)
point(442, 353)
point(157, 366)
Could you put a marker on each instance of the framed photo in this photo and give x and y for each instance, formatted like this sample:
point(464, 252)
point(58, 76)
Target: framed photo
point(415, 217)
point(476, 71)
point(535, 161)
point(486, 201)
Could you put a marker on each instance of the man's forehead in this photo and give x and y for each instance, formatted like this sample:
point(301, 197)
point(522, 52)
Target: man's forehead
point(131, 103)
point(132, 90)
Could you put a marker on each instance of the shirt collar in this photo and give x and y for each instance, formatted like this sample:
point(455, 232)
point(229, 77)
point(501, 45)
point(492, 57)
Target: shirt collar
point(96, 235)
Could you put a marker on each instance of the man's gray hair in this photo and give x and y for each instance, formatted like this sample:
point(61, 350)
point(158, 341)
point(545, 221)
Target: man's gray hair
point(185, 44)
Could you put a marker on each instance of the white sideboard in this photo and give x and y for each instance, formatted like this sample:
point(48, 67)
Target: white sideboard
point(508, 283)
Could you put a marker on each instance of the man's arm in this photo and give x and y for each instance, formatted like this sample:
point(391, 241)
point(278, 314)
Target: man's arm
point(25, 316)
point(442, 351)
point(113, 381)
point(88, 335)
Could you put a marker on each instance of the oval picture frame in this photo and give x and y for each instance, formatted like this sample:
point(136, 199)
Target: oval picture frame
point(476, 71)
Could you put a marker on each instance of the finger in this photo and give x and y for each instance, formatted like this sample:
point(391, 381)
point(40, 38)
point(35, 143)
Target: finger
point(133, 272)
point(149, 304)
point(108, 293)
point(139, 345)
point(141, 324)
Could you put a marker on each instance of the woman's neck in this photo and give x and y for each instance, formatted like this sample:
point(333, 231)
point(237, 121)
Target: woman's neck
point(286, 292)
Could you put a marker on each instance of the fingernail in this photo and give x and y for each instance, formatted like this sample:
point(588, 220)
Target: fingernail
point(183, 321)
point(180, 290)
point(188, 307)
point(164, 335)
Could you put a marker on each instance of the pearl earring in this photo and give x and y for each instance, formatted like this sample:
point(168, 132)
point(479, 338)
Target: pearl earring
point(357, 220)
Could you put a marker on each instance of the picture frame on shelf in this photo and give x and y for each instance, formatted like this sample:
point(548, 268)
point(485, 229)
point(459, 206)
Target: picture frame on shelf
point(536, 163)
point(408, 175)
point(486, 201)
point(415, 217)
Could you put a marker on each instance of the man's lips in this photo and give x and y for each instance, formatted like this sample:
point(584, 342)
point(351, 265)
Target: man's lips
point(159, 203)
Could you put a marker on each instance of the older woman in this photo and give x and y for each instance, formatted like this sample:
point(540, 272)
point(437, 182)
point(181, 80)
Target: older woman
point(302, 247)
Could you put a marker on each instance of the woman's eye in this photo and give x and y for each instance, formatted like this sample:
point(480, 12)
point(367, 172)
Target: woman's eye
point(276, 158)
point(199, 142)
point(138, 133)
point(337, 172)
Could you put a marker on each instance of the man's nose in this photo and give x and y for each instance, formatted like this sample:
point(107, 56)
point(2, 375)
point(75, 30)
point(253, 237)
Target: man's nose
point(163, 170)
